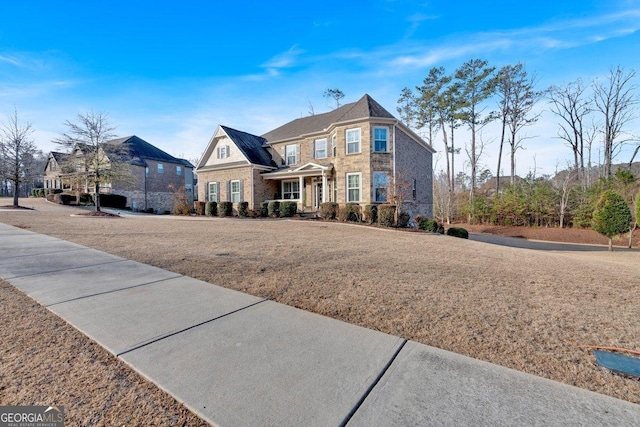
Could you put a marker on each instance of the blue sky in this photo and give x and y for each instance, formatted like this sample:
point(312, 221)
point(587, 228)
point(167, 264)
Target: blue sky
point(171, 71)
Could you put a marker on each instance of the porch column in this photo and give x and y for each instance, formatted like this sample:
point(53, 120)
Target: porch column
point(301, 181)
point(324, 187)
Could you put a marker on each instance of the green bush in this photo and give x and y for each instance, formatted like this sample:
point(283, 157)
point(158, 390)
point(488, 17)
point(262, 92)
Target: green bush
point(65, 199)
point(264, 209)
point(458, 232)
point(428, 225)
point(40, 192)
point(386, 215)
point(350, 212)
point(243, 208)
point(273, 209)
point(86, 199)
point(225, 209)
point(211, 209)
point(288, 209)
point(611, 216)
point(328, 210)
point(199, 207)
point(370, 214)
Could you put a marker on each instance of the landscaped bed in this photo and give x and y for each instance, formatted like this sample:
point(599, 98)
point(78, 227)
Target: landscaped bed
point(524, 309)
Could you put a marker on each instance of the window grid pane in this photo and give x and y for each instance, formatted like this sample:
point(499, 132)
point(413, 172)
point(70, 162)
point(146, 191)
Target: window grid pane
point(353, 141)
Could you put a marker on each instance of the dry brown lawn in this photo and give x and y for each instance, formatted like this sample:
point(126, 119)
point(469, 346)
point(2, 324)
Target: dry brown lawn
point(523, 309)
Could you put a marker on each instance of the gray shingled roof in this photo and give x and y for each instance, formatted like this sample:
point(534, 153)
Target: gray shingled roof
point(365, 107)
point(140, 150)
point(251, 146)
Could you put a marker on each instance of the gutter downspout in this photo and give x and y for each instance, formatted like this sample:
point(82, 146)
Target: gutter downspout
point(394, 154)
point(252, 198)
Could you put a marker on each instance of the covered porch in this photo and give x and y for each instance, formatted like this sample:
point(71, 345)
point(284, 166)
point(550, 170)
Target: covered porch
point(309, 185)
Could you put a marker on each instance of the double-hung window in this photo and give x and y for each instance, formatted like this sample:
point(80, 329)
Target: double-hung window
point(178, 170)
point(353, 141)
point(353, 187)
point(213, 192)
point(334, 145)
point(380, 186)
point(160, 168)
point(321, 148)
point(291, 154)
point(380, 140)
point(235, 191)
point(291, 190)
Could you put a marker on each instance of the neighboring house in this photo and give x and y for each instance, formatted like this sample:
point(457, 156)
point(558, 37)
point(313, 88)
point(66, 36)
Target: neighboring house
point(356, 153)
point(148, 180)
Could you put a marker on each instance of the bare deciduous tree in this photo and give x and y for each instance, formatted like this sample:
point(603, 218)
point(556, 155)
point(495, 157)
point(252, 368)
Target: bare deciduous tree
point(18, 153)
point(615, 98)
point(570, 104)
point(92, 134)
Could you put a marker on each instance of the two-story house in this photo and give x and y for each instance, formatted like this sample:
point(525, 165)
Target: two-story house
point(356, 153)
point(148, 178)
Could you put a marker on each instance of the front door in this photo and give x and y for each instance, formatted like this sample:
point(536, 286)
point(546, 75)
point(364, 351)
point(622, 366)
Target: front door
point(318, 198)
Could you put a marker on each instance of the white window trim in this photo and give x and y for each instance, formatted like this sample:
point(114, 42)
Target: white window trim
point(374, 140)
point(232, 193)
point(179, 170)
point(359, 188)
point(315, 143)
point(297, 182)
point(296, 148)
point(216, 192)
point(346, 141)
point(222, 152)
point(160, 168)
point(373, 179)
point(334, 145)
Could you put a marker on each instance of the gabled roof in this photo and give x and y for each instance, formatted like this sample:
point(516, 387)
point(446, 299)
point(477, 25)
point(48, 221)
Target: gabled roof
point(365, 107)
point(58, 156)
point(250, 145)
point(140, 150)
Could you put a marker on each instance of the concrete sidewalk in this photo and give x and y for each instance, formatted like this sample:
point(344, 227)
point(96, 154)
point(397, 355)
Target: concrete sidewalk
point(238, 360)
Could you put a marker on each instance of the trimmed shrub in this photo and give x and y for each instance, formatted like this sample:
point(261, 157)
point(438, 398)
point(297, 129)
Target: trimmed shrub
point(403, 220)
point(427, 224)
point(199, 207)
point(264, 209)
point(211, 209)
point(65, 199)
point(288, 209)
point(225, 209)
point(33, 192)
point(57, 191)
point(611, 216)
point(86, 199)
point(386, 215)
point(243, 208)
point(113, 201)
point(350, 212)
point(370, 214)
point(41, 192)
point(273, 208)
point(458, 232)
point(328, 210)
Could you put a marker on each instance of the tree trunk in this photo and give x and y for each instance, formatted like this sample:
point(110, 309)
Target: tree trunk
point(631, 234)
point(15, 195)
point(610, 245)
point(97, 201)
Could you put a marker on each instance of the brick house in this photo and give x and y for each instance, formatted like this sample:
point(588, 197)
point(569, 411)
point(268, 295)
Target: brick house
point(147, 178)
point(356, 153)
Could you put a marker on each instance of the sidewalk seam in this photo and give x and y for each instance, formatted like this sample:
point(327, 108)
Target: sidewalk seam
point(188, 328)
point(373, 385)
point(67, 269)
point(115, 290)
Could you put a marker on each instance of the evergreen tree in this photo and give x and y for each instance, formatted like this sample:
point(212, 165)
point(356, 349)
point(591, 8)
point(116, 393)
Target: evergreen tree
point(612, 216)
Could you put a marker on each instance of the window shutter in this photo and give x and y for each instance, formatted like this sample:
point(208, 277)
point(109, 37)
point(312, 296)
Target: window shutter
point(284, 155)
point(217, 152)
point(227, 151)
point(242, 190)
point(313, 150)
point(228, 191)
point(297, 153)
